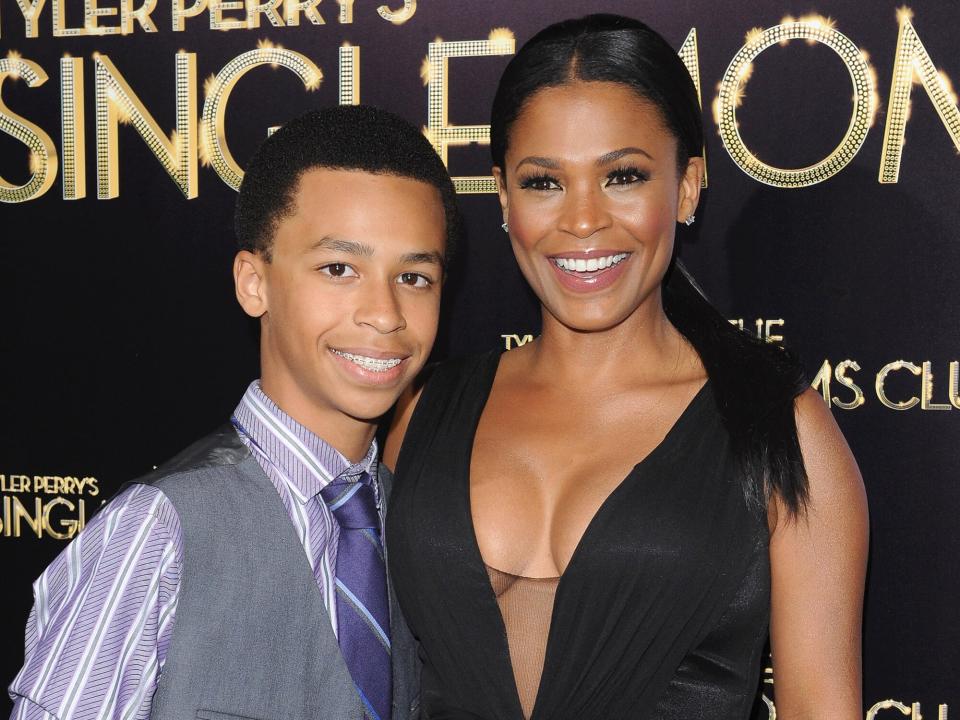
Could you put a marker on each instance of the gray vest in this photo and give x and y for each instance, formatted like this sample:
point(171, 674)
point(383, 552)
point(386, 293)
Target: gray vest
point(252, 638)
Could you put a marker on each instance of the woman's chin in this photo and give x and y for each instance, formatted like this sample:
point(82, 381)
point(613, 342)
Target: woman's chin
point(595, 321)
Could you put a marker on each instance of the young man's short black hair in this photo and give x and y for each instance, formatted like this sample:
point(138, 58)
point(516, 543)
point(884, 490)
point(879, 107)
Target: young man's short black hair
point(343, 137)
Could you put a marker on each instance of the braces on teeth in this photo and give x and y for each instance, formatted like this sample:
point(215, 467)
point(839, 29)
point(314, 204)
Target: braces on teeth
point(591, 265)
point(369, 363)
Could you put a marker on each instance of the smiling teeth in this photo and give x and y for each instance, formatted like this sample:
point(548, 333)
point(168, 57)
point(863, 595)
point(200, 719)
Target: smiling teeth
point(369, 363)
point(591, 265)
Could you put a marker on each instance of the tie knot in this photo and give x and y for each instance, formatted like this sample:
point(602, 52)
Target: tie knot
point(353, 504)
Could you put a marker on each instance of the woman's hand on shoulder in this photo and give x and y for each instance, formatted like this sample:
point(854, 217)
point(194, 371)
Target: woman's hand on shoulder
point(818, 567)
point(406, 404)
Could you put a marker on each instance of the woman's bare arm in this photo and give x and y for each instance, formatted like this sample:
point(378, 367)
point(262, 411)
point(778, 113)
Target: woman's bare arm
point(818, 565)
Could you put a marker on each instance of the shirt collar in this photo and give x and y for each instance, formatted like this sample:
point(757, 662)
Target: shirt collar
point(306, 463)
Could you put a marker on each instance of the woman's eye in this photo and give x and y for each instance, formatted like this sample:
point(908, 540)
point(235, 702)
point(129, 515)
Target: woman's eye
point(414, 280)
point(539, 182)
point(626, 176)
point(338, 270)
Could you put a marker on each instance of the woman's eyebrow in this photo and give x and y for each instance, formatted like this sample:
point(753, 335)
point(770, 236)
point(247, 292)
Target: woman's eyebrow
point(622, 152)
point(604, 159)
point(539, 161)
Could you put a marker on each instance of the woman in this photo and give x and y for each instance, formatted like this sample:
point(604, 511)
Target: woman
point(604, 523)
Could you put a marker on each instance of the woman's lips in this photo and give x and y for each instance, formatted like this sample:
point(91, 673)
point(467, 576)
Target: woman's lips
point(589, 272)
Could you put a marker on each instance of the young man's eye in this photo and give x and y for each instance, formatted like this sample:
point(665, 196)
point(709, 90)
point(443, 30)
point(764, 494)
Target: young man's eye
point(338, 270)
point(626, 176)
point(414, 280)
point(539, 182)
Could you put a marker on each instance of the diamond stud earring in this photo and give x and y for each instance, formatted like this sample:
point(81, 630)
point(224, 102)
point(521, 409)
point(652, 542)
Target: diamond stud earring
point(689, 220)
point(505, 228)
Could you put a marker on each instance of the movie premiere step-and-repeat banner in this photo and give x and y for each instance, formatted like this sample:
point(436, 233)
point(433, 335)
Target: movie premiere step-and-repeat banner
point(830, 223)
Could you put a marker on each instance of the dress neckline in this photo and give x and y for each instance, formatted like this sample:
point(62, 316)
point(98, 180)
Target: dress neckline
point(488, 372)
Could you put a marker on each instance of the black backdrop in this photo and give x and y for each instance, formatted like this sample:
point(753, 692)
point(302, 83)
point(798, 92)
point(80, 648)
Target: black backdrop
point(122, 340)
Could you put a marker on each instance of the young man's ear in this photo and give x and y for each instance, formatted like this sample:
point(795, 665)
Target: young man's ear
point(249, 281)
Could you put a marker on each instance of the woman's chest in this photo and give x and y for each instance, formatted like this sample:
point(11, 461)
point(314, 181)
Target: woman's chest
point(540, 474)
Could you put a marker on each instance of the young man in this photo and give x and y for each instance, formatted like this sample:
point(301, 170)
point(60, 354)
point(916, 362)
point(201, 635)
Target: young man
point(245, 578)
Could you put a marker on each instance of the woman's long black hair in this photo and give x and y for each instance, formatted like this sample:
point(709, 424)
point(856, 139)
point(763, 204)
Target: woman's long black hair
point(754, 382)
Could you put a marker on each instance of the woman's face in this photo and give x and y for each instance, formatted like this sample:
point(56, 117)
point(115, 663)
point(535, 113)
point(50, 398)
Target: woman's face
point(592, 195)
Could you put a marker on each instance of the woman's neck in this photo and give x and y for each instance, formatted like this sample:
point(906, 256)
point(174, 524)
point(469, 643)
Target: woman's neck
point(643, 348)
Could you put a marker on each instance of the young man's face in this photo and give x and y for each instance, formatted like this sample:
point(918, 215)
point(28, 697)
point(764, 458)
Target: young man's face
point(350, 297)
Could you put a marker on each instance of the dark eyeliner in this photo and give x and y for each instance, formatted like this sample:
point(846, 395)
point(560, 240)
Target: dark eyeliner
point(531, 181)
point(627, 171)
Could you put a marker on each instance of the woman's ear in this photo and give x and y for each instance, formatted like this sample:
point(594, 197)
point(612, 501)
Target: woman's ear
point(689, 191)
point(501, 180)
point(249, 280)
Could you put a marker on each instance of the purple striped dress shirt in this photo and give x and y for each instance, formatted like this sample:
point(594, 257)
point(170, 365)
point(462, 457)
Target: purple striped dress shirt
point(104, 610)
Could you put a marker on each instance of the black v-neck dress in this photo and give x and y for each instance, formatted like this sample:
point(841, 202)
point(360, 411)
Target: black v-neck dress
point(662, 611)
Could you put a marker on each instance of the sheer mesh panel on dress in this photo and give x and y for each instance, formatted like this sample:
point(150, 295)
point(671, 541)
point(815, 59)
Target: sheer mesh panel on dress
point(526, 605)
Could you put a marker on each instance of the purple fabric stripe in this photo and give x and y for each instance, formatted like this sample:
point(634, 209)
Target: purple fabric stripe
point(70, 595)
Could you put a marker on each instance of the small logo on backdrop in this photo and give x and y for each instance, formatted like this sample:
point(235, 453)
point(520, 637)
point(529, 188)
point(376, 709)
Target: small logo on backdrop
point(51, 506)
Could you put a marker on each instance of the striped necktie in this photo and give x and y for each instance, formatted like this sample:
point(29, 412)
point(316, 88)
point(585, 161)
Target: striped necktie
point(363, 610)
